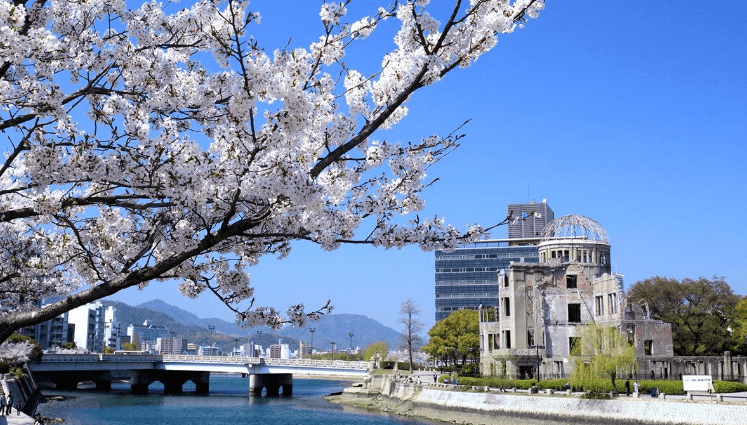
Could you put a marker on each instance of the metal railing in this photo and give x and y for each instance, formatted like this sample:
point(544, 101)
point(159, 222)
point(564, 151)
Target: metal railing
point(169, 358)
point(337, 364)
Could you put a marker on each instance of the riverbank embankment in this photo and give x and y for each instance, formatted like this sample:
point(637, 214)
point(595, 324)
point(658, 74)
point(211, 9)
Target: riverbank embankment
point(384, 393)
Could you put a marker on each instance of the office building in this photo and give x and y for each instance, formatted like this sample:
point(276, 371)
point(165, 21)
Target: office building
point(147, 335)
point(467, 277)
point(529, 219)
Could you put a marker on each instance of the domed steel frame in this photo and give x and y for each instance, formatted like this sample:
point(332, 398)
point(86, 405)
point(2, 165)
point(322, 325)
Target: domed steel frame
point(574, 227)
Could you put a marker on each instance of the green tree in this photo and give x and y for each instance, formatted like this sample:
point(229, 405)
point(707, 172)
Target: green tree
point(457, 337)
point(601, 352)
point(702, 312)
point(128, 346)
point(740, 319)
point(379, 347)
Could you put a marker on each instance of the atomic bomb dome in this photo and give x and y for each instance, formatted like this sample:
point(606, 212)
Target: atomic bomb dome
point(576, 238)
point(573, 227)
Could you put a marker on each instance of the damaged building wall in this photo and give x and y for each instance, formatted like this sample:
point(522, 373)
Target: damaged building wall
point(543, 306)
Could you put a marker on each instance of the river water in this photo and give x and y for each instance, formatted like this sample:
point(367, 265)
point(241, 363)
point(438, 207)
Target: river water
point(227, 403)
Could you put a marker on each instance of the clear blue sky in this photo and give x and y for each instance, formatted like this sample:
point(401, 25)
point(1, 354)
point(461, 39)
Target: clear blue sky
point(631, 113)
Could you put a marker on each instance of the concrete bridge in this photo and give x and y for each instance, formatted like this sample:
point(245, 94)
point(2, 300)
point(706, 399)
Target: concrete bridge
point(66, 371)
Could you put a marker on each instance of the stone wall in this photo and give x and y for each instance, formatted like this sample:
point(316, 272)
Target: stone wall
point(430, 401)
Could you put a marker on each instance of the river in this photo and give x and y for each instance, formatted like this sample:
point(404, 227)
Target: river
point(227, 403)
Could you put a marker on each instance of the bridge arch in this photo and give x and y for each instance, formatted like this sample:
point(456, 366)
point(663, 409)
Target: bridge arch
point(272, 383)
point(173, 381)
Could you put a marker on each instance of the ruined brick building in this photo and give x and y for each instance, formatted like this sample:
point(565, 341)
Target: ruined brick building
point(542, 306)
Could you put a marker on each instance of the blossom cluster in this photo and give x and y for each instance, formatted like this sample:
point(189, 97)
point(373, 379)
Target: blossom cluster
point(145, 145)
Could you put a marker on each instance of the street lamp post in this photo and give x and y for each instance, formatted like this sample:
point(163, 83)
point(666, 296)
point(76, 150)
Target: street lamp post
point(311, 351)
point(350, 334)
point(211, 327)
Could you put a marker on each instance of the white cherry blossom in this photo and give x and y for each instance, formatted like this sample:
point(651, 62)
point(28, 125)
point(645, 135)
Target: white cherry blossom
point(150, 144)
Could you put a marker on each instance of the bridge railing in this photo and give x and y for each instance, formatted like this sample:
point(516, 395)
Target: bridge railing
point(211, 359)
point(141, 357)
point(337, 364)
point(94, 358)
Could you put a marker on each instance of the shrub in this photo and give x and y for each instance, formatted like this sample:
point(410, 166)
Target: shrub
point(389, 364)
point(729, 387)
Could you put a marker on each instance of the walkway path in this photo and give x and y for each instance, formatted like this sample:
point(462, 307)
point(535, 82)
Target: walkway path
point(14, 419)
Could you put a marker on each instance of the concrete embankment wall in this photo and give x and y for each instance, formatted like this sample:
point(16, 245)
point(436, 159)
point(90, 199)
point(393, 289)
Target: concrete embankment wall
point(22, 389)
point(489, 408)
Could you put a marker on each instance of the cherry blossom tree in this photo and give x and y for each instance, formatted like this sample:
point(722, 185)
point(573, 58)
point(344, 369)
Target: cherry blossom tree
point(146, 145)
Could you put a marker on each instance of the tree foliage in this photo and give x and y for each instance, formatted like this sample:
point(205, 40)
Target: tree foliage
point(601, 352)
point(701, 311)
point(410, 335)
point(379, 347)
point(165, 143)
point(457, 337)
point(740, 325)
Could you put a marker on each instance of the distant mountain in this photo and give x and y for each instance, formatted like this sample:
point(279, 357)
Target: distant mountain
point(331, 328)
point(337, 327)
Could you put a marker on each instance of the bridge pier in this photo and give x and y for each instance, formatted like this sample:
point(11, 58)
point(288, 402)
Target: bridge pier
point(173, 381)
point(272, 382)
point(69, 380)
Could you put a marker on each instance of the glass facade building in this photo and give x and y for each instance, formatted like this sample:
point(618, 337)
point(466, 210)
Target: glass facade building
point(468, 276)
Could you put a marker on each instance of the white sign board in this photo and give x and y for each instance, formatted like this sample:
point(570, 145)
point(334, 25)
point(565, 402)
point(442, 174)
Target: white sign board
point(697, 383)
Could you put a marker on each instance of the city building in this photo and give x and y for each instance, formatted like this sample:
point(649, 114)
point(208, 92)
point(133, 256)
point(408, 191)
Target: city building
point(147, 335)
point(171, 346)
point(53, 332)
point(467, 277)
point(529, 219)
point(192, 349)
point(112, 329)
point(304, 350)
point(89, 326)
point(279, 350)
point(542, 306)
point(210, 351)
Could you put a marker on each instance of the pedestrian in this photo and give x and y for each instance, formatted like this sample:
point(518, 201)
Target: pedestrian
point(18, 408)
point(435, 378)
point(3, 402)
point(38, 419)
point(635, 387)
point(627, 388)
point(9, 409)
